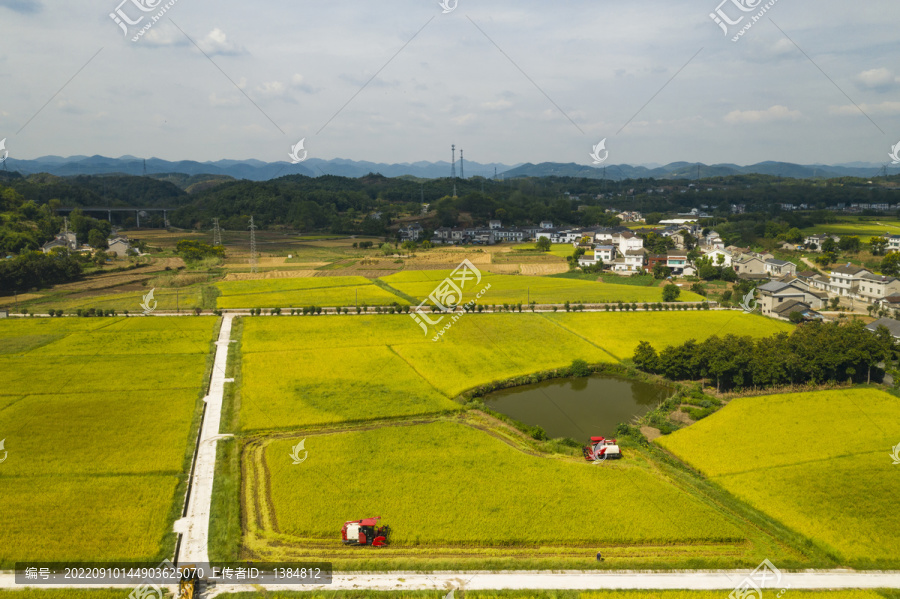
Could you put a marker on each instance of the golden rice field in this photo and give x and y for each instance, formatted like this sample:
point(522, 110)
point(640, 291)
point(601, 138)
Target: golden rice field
point(302, 292)
point(413, 463)
point(300, 371)
point(520, 289)
point(620, 332)
point(97, 415)
point(318, 370)
point(563, 250)
point(818, 462)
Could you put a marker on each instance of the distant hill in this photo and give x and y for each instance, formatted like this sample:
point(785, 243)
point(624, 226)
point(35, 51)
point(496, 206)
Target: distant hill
point(209, 174)
point(685, 170)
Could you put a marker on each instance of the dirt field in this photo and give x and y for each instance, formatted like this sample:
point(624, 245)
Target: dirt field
point(544, 269)
point(271, 274)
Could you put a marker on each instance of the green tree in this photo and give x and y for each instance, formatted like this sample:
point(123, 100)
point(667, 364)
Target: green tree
point(890, 264)
point(849, 244)
point(877, 245)
point(97, 240)
point(645, 357)
point(793, 235)
point(671, 292)
point(543, 244)
point(661, 271)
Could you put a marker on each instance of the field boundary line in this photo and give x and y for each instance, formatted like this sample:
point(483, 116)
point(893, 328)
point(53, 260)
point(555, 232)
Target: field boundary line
point(802, 463)
point(567, 329)
point(390, 289)
point(390, 348)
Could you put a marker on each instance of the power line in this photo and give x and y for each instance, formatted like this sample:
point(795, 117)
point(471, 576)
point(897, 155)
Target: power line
point(253, 257)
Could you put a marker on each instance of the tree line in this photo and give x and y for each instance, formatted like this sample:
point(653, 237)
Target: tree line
point(813, 353)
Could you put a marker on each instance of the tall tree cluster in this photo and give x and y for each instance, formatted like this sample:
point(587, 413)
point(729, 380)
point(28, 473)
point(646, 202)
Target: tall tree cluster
point(813, 353)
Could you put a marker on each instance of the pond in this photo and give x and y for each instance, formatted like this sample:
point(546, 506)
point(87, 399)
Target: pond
point(578, 408)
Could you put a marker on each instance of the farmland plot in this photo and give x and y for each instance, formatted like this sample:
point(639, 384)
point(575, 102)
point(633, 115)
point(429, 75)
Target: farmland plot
point(822, 465)
point(511, 289)
point(97, 415)
point(620, 332)
point(413, 462)
point(301, 292)
point(316, 370)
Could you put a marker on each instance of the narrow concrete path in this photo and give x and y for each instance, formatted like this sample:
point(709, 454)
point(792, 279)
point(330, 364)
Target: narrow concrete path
point(195, 525)
point(722, 580)
point(710, 580)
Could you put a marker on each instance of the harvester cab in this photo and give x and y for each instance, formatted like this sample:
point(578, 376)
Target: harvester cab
point(601, 449)
point(365, 532)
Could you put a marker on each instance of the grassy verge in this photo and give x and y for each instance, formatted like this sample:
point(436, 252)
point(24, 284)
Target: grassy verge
point(225, 511)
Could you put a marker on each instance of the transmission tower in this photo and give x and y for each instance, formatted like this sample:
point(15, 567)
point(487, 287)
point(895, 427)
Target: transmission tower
point(453, 162)
point(253, 257)
point(217, 232)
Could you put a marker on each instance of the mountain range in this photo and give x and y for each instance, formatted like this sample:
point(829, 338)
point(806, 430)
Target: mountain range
point(256, 170)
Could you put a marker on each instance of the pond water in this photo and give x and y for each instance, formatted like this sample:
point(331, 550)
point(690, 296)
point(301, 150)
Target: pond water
point(578, 408)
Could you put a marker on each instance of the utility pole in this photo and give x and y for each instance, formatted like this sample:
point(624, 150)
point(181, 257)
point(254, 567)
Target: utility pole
point(253, 257)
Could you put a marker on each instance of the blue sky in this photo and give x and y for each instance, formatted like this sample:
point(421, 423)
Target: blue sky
point(507, 81)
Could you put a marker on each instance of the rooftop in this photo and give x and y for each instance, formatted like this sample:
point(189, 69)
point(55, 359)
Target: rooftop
point(892, 325)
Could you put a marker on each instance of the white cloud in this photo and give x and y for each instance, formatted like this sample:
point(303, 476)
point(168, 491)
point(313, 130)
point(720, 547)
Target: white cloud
point(217, 42)
point(498, 105)
point(299, 82)
point(163, 34)
point(215, 100)
point(465, 119)
point(775, 113)
point(878, 79)
point(886, 108)
point(272, 89)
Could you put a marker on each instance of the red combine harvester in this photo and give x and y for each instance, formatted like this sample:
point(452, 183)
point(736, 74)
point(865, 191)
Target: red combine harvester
point(364, 532)
point(601, 449)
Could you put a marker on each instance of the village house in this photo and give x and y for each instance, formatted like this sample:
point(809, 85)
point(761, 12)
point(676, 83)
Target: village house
point(718, 257)
point(844, 280)
point(872, 288)
point(750, 266)
point(677, 261)
point(604, 253)
point(817, 241)
point(120, 246)
point(411, 232)
point(893, 243)
point(778, 268)
point(892, 325)
point(66, 239)
point(775, 293)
